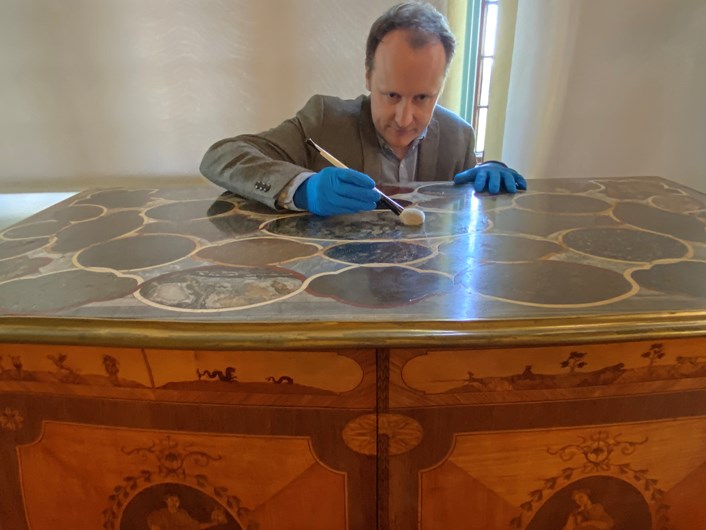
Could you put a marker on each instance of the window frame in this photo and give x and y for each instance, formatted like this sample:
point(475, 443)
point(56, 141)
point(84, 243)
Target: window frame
point(476, 18)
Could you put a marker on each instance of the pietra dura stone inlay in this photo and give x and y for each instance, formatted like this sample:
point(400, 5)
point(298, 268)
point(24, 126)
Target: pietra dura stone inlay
point(49, 222)
point(257, 251)
point(684, 278)
point(562, 244)
point(136, 252)
point(562, 203)
point(118, 198)
point(212, 229)
point(235, 224)
point(189, 210)
point(258, 208)
point(78, 287)
point(490, 247)
point(539, 224)
point(379, 286)
point(11, 249)
point(679, 225)
point(625, 244)
point(637, 189)
point(554, 283)
point(678, 203)
point(455, 203)
point(570, 186)
point(86, 233)
point(189, 194)
point(70, 214)
point(32, 230)
point(220, 288)
point(377, 224)
point(377, 252)
point(447, 189)
point(21, 266)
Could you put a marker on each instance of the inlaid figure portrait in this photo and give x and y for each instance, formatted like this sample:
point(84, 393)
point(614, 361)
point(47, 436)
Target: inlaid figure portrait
point(594, 503)
point(176, 507)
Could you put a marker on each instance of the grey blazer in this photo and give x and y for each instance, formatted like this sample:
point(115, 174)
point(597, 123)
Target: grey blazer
point(259, 166)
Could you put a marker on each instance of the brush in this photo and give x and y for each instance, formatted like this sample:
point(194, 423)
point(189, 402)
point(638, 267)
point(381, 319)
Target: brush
point(408, 216)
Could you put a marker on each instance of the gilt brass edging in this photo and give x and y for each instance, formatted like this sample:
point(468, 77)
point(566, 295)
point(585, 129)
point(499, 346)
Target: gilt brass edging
point(327, 335)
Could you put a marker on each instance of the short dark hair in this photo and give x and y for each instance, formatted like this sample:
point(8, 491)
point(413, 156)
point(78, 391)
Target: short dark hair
point(422, 20)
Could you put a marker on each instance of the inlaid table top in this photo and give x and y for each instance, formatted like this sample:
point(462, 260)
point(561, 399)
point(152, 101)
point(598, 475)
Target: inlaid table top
point(631, 251)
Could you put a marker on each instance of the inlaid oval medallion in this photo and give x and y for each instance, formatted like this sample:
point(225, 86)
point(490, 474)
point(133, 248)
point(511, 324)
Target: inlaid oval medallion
point(560, 203)
point(257, 251)
point(219, 288)
point(183, 210)
point(377, 252)
point(136, 252)
point(380, 286)
point(625, 244)
point(546, 283)
point(686, 278)
point(78, 287)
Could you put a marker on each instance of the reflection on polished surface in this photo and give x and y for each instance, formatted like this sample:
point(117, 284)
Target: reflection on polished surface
point(566, 247)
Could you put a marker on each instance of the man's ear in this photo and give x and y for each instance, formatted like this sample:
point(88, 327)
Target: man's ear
point(367, 80)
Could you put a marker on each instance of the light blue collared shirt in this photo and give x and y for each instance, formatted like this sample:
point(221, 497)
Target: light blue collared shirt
point(396, 171)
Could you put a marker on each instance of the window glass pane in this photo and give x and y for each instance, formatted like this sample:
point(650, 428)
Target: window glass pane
point(480, 133)
point(491, 26)
point(486, 69)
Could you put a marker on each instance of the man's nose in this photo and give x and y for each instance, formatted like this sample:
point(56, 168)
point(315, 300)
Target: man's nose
point(403, 113)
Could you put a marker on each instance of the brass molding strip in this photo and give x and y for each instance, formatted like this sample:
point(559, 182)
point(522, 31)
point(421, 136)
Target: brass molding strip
point(329, 334)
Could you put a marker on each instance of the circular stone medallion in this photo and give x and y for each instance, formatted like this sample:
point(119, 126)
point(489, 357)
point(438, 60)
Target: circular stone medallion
point(379, 286)
point(219, 288)
point(377, 252)
point(546, 283)
point(625, 244)
point(136, 252)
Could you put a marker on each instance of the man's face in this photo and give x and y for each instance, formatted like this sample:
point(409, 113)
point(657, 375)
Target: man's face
point(404, 85)
point(173, 503)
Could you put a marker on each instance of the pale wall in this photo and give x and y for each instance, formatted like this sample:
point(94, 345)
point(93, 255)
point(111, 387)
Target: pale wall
point(100, 92)
point(606, 88)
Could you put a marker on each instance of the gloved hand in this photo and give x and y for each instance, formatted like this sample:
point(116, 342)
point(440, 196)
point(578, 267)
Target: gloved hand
point(335, 190)
point(493, 177)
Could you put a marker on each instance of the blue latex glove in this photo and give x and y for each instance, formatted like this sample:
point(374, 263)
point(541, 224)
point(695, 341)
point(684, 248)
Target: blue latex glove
point(335, 190)
point(492, 177)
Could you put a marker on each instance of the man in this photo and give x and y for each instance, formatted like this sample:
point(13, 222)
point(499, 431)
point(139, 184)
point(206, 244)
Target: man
point(398, 134)
point(174, 517)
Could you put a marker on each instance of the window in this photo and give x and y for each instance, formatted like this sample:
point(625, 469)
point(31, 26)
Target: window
point(481, 29)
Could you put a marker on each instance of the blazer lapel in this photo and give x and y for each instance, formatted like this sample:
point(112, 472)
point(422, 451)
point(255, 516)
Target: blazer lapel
point(429, 153)
point(369, 141)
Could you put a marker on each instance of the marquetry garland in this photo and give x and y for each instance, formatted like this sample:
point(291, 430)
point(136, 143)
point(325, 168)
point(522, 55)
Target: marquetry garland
point(171, 461)
point(597, 451)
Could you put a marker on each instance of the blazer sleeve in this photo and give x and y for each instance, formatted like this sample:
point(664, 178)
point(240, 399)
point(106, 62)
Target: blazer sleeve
point(259, 166)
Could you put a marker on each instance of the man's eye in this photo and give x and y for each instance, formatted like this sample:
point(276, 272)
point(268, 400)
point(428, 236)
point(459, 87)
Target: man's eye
point(393, 95)
point(422, 97)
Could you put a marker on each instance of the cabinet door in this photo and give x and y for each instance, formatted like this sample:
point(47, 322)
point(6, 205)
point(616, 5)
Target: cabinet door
point(549, 437)
point(124, 438)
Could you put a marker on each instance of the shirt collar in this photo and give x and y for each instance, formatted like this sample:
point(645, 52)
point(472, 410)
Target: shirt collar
point(387, 150)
